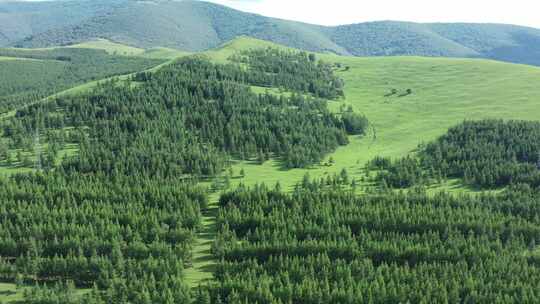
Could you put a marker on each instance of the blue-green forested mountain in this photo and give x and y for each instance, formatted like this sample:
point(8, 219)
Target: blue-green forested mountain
point(197, 25)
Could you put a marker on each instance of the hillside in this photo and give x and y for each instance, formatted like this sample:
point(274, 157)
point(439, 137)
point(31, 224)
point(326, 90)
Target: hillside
point(21, 19)
point(172, 145)
point(316, 237)
point(153, 140)
point(196, 26)
point(445, 92)
point(28, 75)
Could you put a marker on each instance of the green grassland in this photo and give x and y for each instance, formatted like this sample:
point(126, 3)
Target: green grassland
point(110, 47)
point(7, 58)
point(114, 48)
point(163, 53)
point(444, 93)
point(9, 293)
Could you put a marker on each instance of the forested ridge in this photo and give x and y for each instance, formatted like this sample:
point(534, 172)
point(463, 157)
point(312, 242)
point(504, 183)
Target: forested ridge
point(52, 70)
point(185, 118)
point(285, 69)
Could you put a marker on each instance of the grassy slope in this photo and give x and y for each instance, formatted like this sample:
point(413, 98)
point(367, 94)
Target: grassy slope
point(163, 53)
point(203, 260)
point(5, 58)
point(10, 293)
point(445, 92)
point(114, 48)
point(110, 47)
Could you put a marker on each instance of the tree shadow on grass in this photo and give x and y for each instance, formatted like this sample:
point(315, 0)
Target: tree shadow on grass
point(7, 293)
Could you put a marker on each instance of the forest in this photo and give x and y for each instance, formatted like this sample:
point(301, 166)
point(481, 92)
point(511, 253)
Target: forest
point(485, 154)
point(126, 238)
point(119, 216)
point(323, 243)
point(329, 245)
point(116, 221)
point(36, 74)
point(202, 110)
point(294, 71)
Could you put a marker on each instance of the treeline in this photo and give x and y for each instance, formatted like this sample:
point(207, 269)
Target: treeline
point(485, 154)
point(39, 73)
point(327, 245)
point(292, 70)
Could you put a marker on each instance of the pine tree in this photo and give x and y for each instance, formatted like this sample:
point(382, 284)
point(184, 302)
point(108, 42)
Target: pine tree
point(344, 176)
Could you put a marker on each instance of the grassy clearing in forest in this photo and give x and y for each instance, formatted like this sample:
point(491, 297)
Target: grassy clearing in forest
point(443, 93)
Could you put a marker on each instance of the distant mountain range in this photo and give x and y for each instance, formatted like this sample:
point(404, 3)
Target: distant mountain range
point(197, 25)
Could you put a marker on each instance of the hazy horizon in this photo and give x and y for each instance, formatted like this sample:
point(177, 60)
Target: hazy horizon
point(343, 12)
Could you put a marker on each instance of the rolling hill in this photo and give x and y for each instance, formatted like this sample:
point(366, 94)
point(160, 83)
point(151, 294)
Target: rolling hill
point(431, 95)
point(196, 26)
point(445, 92)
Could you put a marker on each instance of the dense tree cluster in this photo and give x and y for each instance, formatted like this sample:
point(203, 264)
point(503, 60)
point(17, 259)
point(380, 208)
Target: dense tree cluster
point(355, 123)
point(183, 120)
point(331, 246)
point(40, 73)
point(486, 154)
point(119, 216)
point(130, 236)
point(400, 173)
point(292, 70)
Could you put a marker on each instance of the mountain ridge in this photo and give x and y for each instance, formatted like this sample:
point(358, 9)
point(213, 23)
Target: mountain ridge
point(198, 26)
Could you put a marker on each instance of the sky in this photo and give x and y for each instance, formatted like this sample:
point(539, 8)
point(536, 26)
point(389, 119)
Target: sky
point(336, 12)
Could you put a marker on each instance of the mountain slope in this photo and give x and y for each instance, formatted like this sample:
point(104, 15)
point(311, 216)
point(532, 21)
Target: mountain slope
point(186, 25)
point(27, 76)
point(196, 25)
point(496, 41)
point(22, 19)
point(389, 38)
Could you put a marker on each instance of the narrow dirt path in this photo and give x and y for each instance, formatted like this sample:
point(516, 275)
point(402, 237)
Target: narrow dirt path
point(204, 262)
